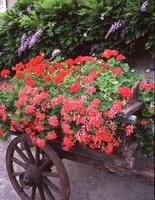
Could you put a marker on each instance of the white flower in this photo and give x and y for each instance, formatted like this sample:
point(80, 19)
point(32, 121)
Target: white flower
point(85, 34)
point(102, 16)
point(55, 53)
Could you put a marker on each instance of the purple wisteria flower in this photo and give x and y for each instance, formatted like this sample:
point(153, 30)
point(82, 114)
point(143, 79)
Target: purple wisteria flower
point(29, 41)
point(144, 6)
point(23, 46)
point(24, 37)
point(115, 26)
point(35, 38)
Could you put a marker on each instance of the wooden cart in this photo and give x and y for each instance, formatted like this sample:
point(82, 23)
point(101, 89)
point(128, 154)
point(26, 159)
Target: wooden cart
point(34, 173)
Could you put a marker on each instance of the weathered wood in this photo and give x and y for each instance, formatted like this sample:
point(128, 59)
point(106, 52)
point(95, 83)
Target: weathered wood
point(115, 163)
point(133, 108)
point(135, 94)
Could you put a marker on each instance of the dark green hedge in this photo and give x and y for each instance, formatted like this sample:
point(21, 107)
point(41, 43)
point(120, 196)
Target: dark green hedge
point(76, 27)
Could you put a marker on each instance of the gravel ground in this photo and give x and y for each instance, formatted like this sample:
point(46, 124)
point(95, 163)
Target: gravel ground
point(87, 183)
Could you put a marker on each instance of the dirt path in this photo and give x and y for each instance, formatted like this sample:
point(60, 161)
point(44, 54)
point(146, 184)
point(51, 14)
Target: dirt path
point(87, 183)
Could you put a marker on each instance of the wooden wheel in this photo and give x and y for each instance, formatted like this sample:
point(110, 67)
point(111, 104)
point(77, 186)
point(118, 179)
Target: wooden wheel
point(35, 173)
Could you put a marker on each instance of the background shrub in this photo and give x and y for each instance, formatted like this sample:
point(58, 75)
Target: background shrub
point(76, 27)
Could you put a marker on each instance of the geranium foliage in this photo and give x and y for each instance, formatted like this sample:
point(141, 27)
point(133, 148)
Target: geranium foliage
point(75, 101)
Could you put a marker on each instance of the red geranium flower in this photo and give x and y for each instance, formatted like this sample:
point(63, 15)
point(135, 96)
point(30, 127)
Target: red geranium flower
point(117, 71)
point(106, 66)
point(70, 61)
point(40, 143)
point(1, 133)
point(125, 91)
point(47, 78)
point(81, 59)
point(114, 52)
point(19, 74)
point(29, 81)
point(120, 57)
point(59, 65)
point(19, 66)
point(53, 121)
point(147, 86)
point(107, 53)
point(74, 87)
point(144, 122)
point(5, 73)
point(51, 135)
point(129, 129)
point(29, 109)
point(109, 148)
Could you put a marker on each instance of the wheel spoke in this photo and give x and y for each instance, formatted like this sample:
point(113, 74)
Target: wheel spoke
point(33, 193)
point(48, 192)
point(22, 155)
point(37, 156)
point(51, 185)
point(23, 165)
point(50, 174)
point(45, 164)
point(16, 173)
point(29, 153)
point(41, 191)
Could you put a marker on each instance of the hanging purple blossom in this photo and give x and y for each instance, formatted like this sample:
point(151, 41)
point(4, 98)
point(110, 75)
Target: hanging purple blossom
point(24, 37)
point(29, 33)
point(29, 41)
point(35, 38)
point(23, 46)
point(115, 26)
point(144, 6)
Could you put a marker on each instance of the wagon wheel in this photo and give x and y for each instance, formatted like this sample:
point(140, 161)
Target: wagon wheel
point(35, 173)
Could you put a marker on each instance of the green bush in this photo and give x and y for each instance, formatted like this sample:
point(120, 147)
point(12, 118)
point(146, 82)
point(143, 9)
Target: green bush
point(76, 27)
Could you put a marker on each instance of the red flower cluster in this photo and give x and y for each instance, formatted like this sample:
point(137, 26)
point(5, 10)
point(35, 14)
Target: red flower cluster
point(129, 129)
point(51, 135)
point(147, 86)
point(74, 87)
point(144, 122)
point(115, 109)
point(3, 113)
point(117, 71)
point(51, 101)
point(125, 91)
point(120, 57)
point(5, 73)
point(1, 133)
point(108, 53)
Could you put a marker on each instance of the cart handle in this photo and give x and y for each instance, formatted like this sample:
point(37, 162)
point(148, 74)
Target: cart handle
point(128, 114)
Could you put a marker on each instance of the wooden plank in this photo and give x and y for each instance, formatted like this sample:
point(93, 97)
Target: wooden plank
point(115, 163)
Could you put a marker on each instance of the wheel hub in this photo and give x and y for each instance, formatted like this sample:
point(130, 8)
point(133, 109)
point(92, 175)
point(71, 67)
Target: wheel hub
point(30, 177)
point(26, 180)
